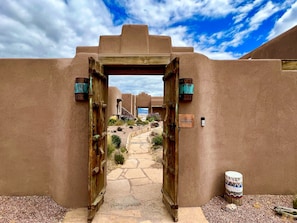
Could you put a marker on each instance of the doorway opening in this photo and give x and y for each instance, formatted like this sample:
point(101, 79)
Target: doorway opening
point(139, 178)
point(136, 184)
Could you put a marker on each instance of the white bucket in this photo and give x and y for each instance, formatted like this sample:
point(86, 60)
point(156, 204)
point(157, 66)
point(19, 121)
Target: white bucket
point(234, 184)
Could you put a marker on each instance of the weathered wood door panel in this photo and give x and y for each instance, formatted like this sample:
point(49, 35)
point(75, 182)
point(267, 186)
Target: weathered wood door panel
point(170, 138)
point(98, 96)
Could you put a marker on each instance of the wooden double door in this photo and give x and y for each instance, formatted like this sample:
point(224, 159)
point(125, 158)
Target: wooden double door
point(97, 175)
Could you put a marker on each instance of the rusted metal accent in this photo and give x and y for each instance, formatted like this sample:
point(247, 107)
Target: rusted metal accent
point(81, 88)
point(170, 138)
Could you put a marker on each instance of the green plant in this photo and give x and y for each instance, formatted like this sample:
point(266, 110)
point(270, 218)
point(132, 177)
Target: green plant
point(130, 122)
point(110, 149)
point(140, 122)
point(111, 121)
point(153, 117)
point(295, 202)
point(119, 158)
point(116, 140)
point(150, 119)
point(157, 140)
point(123, 150)
point(110, 146)
point(119, 122)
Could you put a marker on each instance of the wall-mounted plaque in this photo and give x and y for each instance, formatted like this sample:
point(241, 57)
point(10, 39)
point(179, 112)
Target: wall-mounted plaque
point(186, 120)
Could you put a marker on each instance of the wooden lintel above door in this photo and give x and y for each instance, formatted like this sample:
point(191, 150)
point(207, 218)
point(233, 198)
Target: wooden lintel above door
point(134, 69)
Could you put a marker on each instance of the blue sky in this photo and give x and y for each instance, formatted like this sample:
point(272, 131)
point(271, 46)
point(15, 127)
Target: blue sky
point(219, 29)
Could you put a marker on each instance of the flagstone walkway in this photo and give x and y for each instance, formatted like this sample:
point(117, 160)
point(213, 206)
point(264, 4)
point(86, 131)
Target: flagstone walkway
point(133, 192)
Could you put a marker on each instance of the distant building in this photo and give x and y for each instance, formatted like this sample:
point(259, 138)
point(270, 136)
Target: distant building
point(129, 104)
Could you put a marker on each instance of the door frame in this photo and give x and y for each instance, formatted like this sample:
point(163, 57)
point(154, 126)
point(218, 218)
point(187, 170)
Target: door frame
point(136, 65)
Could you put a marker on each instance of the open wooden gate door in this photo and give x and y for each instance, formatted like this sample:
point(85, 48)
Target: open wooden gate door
point(98, 96)
point(170, 138)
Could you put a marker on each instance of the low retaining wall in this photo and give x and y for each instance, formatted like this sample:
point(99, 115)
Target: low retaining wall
point(135, 133)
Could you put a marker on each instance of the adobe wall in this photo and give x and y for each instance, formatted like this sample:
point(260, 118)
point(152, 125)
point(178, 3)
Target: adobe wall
point(113, 94)
point(250, 109)
point(128, 102)
point(143, 100)
point(281, 47)
point(44, 134)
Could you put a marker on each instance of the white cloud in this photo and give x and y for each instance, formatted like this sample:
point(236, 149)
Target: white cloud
point(51, 28)
point(287, 21)
point(242, 11)
point(165, 13)
point(239, 33)
point(136, 84)
point(268, 10)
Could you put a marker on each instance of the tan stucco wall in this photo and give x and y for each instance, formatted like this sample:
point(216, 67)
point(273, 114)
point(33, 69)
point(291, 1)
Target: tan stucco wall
point(250, 110)
point(113, 94)
point(128, 102)
point(281, 47)
point(43, 130)
point(143, 100)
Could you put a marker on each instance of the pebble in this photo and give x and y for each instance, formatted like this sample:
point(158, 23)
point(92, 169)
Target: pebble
point(230, 207)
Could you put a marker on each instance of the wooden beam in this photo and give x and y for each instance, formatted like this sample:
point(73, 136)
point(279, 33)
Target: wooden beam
point(134, 60)
point(289, 64)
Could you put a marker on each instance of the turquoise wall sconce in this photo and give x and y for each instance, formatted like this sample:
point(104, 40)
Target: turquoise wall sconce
point(81, 89)
point(186, 89)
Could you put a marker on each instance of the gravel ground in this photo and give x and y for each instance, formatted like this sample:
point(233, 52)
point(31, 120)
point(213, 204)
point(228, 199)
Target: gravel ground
point(255, 208)
point(30, 209)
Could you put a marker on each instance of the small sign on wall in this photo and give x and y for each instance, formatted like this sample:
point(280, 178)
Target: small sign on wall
point(186, 120)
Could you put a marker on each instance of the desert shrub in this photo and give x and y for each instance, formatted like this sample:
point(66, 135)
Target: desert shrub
point(110, 146)
point(150, 119)
point(116, 140)
point(123, 150)
point(153, 117)
point(140, 122)
point(157, 140)
point(111, 121)
point(119, 122)
point(130, 122)
point(110, 149)
point(119, 158)
point(295, 202)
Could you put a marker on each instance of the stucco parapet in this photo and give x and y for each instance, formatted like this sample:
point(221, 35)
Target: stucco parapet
point(87, 49)
point(182, 49)
point(85, 55)
point(109, 44)
point(160, 44)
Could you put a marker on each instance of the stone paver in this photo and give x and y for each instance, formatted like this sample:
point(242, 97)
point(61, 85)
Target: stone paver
point(130, 163)
point(115, 174)
point(145, 163)
point(156, 175)
point(133, 193)
point(134, 173)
